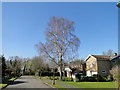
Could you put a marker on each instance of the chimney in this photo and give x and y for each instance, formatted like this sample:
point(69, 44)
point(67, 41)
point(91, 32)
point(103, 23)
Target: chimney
point(118, 4)
point(115, 54)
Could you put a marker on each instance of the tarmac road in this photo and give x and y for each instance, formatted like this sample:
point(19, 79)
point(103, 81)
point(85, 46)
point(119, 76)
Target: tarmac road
point(27, 82)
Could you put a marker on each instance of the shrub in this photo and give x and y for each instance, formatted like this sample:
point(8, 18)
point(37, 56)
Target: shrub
point(5, 79)
point(46, 77)
point(66, 79)
point(70, 79)
point(13, 74)
point(109, 78)
point(88, 79)
point(49, 74)
point(94, 78)
point(76, 79)
point(56, 78)
point(99, 78)
point(29, 73)
point(36, 74)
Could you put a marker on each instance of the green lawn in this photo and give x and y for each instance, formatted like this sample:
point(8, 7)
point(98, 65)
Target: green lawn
point(12, 79)
point(2, 85)
point(90, 84)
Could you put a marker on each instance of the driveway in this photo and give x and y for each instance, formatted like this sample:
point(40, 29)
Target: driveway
point(27, 82)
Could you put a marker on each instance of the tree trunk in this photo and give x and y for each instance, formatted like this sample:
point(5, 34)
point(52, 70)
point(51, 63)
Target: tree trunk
point(60, 67)
point(40, 74)
point(117, 85)
point(71, 76)
point(60, 75)
point(53, 77)
point(61, 70)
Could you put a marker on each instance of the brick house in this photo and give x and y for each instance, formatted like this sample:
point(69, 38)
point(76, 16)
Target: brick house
point(100, 64)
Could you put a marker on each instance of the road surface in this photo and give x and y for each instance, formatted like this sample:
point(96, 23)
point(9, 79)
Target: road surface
point(27, 82)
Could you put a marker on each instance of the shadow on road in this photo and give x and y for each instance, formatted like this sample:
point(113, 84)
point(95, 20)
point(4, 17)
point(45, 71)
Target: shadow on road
point(18, 82)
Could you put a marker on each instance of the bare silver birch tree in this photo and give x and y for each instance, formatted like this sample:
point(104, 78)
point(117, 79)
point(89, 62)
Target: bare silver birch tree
point(60, 40)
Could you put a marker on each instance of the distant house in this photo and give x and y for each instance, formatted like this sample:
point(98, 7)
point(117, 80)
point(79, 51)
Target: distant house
point(115, 60)
point(99, 64)
point(68, 71)
point(81, 68)
point(79, 65)
point(73, 68)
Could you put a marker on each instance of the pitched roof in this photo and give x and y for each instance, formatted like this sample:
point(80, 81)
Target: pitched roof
point(115, 57)
point(103, 57)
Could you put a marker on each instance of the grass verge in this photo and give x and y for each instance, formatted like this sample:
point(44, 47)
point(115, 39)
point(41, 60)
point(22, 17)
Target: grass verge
point(12, 79)
point(7, 82)
point(2, 85)
point(56, 86)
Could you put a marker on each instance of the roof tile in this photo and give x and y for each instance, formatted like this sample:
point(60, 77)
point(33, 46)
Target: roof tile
point(103, 57)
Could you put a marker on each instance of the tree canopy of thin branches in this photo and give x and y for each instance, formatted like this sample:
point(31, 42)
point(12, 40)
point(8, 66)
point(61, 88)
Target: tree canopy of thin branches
point(108, 53)
point(14, 64)
point(38, 65)
point(116, 75)
point(77, 62)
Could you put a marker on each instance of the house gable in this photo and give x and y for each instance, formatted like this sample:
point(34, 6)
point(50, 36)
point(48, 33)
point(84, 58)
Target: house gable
point(91, 65)
point(89, 57)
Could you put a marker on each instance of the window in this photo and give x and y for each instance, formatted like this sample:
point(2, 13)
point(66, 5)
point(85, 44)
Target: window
point(103, 71)
point(93, 61)
point(114, 61)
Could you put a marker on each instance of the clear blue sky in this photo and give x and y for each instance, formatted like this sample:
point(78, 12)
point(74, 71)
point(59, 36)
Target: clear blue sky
point(24, 24)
